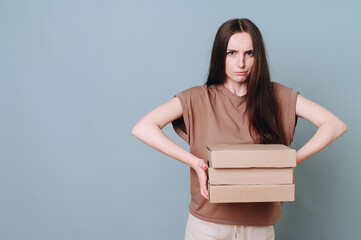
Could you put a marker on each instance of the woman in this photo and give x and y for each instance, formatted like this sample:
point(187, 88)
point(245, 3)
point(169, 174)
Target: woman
point(237, 105)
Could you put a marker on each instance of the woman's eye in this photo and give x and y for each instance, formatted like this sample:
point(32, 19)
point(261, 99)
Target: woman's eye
point(250, 53)
point(231, 53)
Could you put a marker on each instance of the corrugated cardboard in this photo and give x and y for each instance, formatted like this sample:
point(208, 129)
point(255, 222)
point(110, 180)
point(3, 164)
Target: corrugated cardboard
point(250, 175)
point(251, 193)
point(250, 155)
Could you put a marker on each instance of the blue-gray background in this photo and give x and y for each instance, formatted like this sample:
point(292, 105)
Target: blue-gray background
point(75, 77)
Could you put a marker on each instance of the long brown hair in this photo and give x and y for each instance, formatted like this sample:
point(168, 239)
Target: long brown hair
point(261, 104)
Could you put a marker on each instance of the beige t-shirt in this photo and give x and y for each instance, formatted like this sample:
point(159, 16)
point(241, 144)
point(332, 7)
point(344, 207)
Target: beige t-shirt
point(217, 116)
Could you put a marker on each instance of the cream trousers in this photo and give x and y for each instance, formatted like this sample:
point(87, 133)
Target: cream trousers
point(198, 229)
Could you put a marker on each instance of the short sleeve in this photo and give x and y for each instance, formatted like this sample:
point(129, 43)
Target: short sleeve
point(189, 99)
point(287, 98)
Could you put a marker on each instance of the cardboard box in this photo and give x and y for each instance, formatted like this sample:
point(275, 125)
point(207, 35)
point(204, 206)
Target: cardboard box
point(250, 175)
point(251, 193)
point(250, 155)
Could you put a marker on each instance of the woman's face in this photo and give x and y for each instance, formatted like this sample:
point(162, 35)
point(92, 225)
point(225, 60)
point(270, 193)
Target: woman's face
point(239, 58)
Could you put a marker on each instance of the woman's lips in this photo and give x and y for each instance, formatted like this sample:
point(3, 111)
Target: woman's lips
point(241, 73)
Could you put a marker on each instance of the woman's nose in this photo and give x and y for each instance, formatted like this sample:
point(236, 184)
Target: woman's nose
point(241, 62)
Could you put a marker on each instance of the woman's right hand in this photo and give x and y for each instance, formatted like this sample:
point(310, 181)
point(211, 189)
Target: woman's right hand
point(201, 167)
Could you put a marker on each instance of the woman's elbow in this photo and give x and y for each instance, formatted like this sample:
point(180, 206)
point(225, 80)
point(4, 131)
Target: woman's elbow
point(136, 130)
point(341, 128)
point(143, 129)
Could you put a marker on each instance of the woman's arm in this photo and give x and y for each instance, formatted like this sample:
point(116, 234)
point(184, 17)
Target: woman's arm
point(329, 127)
point(149, 130)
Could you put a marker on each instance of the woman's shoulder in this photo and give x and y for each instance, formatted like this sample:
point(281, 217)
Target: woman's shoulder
point(281, 89)
point(279, 86)
point(197, 90)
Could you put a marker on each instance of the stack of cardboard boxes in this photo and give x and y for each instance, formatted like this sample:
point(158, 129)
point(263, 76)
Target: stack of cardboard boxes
point(251, 173)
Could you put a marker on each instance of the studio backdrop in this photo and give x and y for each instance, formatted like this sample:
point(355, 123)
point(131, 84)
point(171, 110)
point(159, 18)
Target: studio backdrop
point(76, 76)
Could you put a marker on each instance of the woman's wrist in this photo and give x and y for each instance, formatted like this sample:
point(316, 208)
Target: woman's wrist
point(199, 163)
point(194, 162)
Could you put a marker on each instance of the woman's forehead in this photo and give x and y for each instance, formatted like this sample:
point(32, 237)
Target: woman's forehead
point(240, 41)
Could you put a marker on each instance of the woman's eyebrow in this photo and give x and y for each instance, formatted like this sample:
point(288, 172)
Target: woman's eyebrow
point(230, 49)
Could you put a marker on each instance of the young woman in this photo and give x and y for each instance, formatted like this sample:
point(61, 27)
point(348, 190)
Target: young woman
point(237, 105)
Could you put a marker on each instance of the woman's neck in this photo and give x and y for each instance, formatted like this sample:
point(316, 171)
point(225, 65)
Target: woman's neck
point(239, 89)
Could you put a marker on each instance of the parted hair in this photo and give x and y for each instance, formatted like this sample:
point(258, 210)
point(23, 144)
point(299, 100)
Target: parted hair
point(261, 105)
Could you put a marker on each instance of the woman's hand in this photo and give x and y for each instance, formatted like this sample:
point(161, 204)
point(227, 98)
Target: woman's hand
point(329, 126)
point(201, 167)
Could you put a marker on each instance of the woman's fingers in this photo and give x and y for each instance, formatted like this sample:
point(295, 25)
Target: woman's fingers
point(202, 164)
point(202, 177)
point(205, 187)
point(204, 191)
